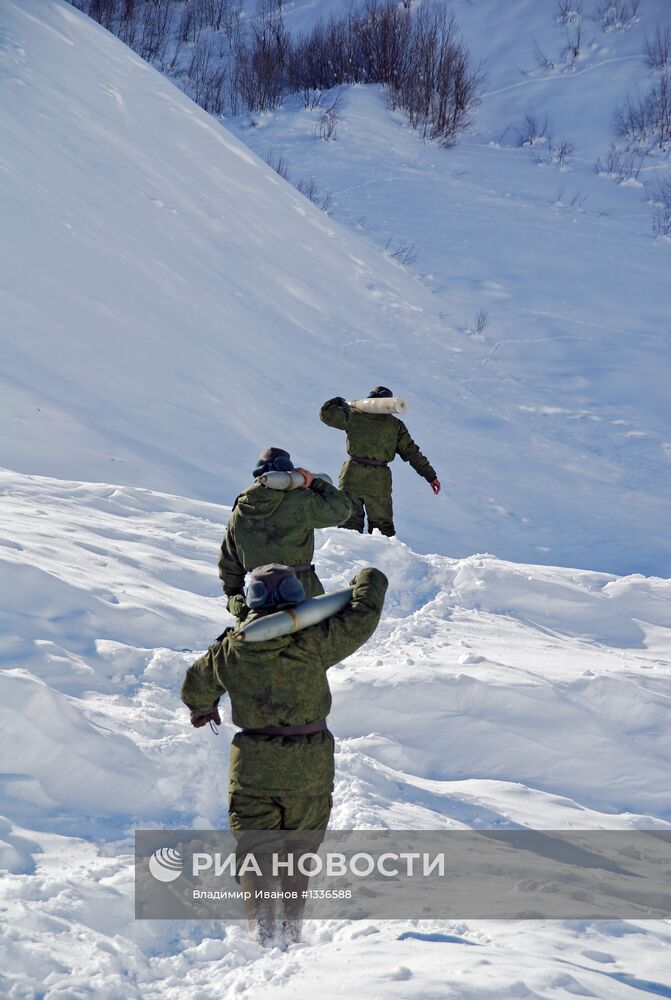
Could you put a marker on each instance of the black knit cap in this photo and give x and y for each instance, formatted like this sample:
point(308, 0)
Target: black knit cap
point(273, 459)
point(380, 392)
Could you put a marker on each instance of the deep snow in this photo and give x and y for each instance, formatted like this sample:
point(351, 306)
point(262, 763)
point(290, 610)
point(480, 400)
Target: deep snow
point(167, 303)
point(170, 303)
point(493, 695)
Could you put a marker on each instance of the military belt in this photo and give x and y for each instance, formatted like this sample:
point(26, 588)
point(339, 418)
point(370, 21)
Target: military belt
point(306, 730)
point(368, 461)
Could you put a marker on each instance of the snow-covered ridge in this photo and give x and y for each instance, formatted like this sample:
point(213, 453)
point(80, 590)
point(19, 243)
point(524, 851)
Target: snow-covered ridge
point(492, 695)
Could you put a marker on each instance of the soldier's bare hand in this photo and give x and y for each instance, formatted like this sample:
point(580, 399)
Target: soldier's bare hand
point(435, 486)
point(199, 719)
point(307, 476)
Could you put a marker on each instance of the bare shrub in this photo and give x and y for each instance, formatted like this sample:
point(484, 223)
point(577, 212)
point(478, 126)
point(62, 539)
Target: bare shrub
point(404, 253)
point(646, 121)
point(569, 10)
point(571, 50)
point(616, 15)
point(326, 201)
point(543, 61)
point(415, 52)
point(279, 163)
point(310, 190)
point(259, 66)
point(661, 217)
point(479, 324)
point(330, 118)
point(621, 166)
point(312, 99)
point(534, 130)
point(561, 152)
point(658, 48)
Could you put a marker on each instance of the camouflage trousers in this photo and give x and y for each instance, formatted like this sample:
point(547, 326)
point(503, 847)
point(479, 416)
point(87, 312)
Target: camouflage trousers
point(369, 491)
point(280, 811)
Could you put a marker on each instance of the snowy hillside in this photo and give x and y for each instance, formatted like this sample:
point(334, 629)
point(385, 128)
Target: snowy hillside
point(570, 374)
point(493, 695)
point(171, 306)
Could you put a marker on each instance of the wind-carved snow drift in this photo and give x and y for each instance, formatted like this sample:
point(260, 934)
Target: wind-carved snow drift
point(493, 694)
point(171, 306)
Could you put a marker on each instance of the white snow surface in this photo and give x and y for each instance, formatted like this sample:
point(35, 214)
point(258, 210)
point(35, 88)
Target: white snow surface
point(170, 305)
point(493, 695)
point(167, 304)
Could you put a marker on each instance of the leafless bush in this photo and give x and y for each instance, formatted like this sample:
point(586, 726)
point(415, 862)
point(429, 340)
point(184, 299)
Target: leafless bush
point(259, 66)
point(616, 15)
point(310, 190)
point(404, 253)
point(658, 48)
point(569, 10)
point(479, 324)
point(571, 50)
point(326, 201)
point(646, 121)
point(278, 163)
point(534, 130)
point(661, 217)
point(543, 61)
point(330, 118)
point(561, 152)
point(621, 166)
point(415, 52)
point(312, 98)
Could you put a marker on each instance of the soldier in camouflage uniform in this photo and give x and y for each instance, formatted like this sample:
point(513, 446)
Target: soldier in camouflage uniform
point(277, 526)
point(281, 766)
point(373, 440)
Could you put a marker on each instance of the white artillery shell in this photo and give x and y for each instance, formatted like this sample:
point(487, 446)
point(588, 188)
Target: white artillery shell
point(310, 612)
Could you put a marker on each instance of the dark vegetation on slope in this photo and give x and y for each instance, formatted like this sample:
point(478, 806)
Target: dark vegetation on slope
point(231, 64)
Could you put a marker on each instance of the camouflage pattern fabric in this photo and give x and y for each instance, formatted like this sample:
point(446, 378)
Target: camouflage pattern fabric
point(282, 682)
point(273, 526)
point(378, 436)
point(369, 492)
point(287, 811)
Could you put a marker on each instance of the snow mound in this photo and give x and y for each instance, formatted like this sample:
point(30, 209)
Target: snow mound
point(493, 695)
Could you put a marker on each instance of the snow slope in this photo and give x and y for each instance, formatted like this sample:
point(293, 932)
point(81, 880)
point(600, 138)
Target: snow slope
point(167, 303)
point(573, 366)
point(170, 304)
point(493, 695)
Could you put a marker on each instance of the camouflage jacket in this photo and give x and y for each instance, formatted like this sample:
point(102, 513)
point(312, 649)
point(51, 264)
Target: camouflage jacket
point(380, 436)
point(269, 526)
point(282, 682)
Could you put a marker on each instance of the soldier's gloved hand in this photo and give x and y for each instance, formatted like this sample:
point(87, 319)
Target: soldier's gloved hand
point(435, 486)
point(307, 476)
point(336, 401)
point(237, 606)
point(201, 718)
